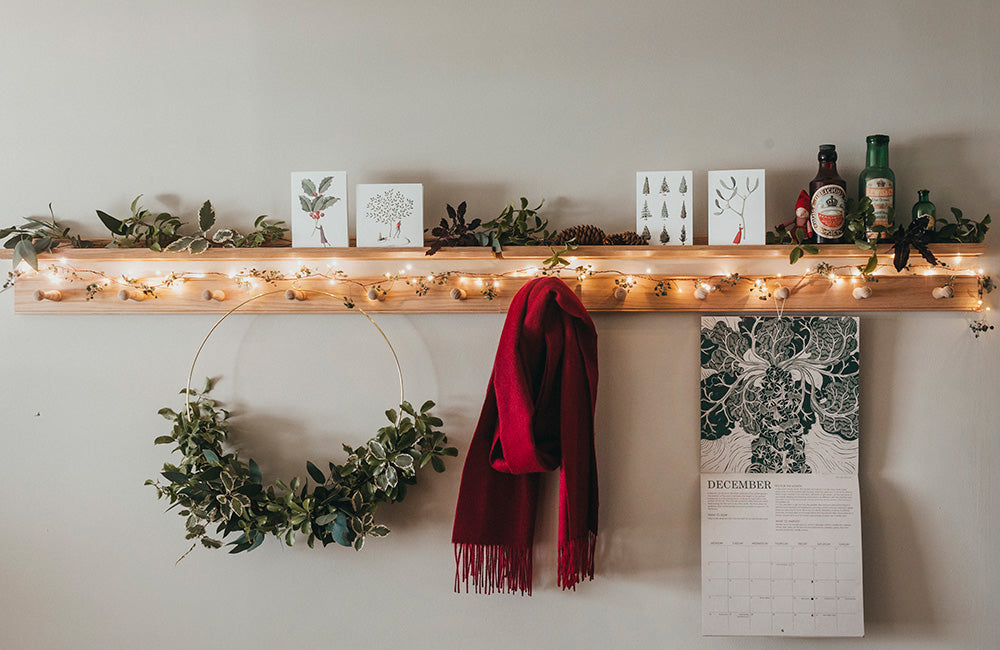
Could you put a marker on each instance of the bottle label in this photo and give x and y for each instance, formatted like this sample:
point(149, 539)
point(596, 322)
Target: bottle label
point(881, 193)
point(827, 216)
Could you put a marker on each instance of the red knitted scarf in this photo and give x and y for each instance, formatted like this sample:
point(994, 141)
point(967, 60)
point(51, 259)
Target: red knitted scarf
point(538, 415)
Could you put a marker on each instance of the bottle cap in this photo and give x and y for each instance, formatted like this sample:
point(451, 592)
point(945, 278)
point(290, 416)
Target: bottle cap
point(827, 153)
point(878, 139)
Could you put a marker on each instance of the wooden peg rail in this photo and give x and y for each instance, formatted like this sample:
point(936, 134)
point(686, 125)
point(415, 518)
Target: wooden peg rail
point(39, 293)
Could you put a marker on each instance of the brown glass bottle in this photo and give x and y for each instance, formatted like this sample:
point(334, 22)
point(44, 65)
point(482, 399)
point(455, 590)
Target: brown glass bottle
point(828, 198)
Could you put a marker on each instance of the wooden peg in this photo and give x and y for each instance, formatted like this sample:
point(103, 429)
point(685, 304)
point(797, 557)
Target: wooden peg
point(459, 294)
point(860, 293)
point(701, 293)
point(54, 295)
point(216, 294)
point(782, 293)
point(131, 294)
point(943, 292)
point(374, 295)
point(295, 294)
point(620, 293)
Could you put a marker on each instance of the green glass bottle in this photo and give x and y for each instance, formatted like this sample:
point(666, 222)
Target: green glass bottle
point(877, 181)
point(924, 208)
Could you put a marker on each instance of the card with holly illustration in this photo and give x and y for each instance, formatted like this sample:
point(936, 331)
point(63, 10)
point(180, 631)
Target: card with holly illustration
point(319, 209)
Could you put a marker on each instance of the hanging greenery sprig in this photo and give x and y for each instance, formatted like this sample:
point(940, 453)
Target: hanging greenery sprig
point(220, 495)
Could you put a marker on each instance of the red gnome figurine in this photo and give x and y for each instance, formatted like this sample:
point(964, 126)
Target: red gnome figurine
point(802, 209)
point(801, 220)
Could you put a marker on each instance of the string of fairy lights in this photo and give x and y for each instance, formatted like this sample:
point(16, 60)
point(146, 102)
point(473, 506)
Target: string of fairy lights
point(489, 284)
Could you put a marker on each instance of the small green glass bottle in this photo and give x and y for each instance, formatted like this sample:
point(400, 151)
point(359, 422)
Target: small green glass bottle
point(877, 181)
point(924, 208)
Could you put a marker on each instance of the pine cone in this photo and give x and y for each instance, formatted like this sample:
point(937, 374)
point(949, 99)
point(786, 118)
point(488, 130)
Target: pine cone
point(627, 238)
point(581, 236)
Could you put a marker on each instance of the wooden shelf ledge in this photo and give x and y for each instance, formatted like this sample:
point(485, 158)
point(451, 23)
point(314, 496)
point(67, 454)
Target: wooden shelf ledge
point(536, 253)
point(809, 294)
point(422, 294)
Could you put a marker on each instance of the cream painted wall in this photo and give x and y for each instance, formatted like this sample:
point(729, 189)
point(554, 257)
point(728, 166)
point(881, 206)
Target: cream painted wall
point(485, 102)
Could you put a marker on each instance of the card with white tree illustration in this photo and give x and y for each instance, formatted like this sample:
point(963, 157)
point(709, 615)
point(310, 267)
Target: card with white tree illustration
point(319, 209)
point(779, 395)
point(663, 208)
point(390, 215)
point(736, 207)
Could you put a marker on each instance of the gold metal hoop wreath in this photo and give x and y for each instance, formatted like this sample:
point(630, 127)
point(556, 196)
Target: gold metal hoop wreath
point(225, 501)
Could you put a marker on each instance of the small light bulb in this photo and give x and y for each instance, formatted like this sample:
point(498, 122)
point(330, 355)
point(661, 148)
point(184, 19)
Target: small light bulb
point(496, 284)
point(388, 275)
point(409, 266)
point(430, 278)
point(479, 282)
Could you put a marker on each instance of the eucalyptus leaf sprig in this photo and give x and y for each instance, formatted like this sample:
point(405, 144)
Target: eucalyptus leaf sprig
point(36, 235)
point(220, 495)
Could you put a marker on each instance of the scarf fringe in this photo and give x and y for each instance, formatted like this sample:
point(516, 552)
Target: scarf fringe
point(494, 568)
point(576, 560)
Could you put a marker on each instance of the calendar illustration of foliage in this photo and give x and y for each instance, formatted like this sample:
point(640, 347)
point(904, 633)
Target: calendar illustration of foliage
point(779, 395)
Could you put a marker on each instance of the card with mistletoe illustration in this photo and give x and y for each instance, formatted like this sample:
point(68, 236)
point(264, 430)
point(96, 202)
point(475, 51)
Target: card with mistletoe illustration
point(390, 215)
point(736, 207)
point(319, 209)
point(779, 395)
point(663, 208)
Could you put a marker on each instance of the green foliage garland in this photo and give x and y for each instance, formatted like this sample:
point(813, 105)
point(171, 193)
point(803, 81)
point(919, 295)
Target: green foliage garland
point(860, 221)
point(214, 487)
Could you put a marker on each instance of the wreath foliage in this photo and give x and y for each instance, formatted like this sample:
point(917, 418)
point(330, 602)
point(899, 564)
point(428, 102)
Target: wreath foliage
point(214, 487)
